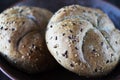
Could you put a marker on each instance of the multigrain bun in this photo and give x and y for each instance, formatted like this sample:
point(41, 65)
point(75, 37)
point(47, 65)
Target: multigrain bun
point(83, 40)
point(22, 42)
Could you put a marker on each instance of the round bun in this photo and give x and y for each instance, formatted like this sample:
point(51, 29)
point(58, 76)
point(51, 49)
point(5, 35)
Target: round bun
point(83, 40)
point(22, 42)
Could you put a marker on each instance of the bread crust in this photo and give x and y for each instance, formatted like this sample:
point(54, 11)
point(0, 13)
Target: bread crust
point(83, 40)
point(22, 42)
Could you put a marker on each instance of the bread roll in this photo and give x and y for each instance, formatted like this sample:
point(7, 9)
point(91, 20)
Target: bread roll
point(83, 40)
point(22, 40)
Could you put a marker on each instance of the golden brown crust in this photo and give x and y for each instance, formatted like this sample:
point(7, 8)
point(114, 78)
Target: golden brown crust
point(22, 38)
point(80, 40)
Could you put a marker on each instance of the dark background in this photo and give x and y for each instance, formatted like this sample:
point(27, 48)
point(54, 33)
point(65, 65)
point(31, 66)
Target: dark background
point(6, 3)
